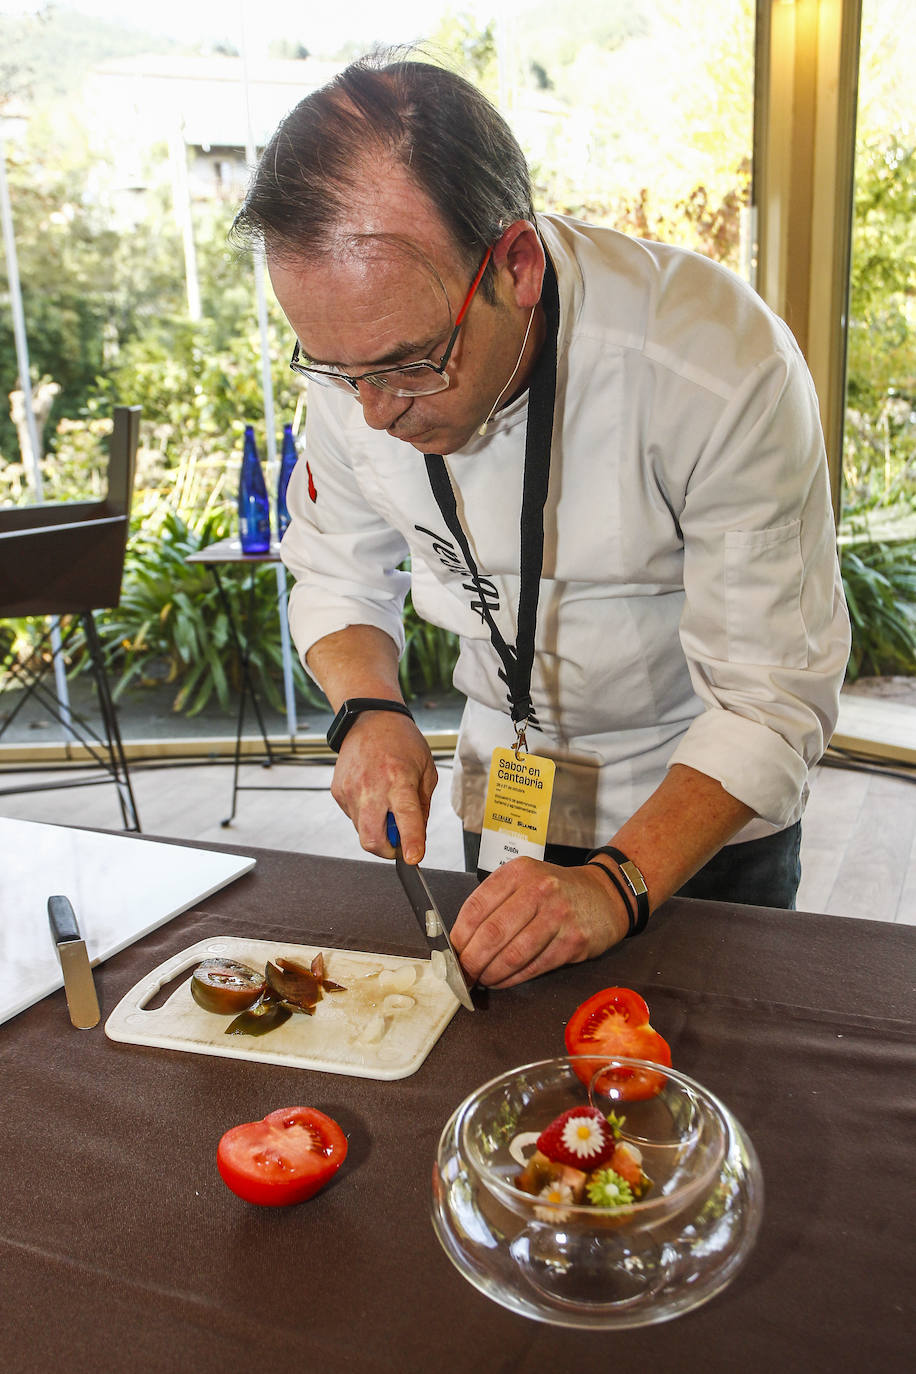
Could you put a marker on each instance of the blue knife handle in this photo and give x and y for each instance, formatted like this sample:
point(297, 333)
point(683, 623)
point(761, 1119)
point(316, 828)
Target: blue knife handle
point(391, 830)
point(63, 920)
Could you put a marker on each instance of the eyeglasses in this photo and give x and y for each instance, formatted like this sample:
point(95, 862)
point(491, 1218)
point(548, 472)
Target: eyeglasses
point(421, 378)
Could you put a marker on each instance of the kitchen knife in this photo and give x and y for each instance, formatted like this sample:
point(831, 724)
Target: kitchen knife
point(82, 1002)
point(429, 919)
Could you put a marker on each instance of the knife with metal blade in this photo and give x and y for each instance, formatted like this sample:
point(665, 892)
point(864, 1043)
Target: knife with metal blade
point(79, 986)
point(429, 919)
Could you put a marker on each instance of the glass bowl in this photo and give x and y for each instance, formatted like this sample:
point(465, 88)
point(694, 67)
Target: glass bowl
point(580, 1265)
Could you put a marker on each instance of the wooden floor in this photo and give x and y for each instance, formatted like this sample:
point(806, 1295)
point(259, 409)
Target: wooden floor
point(858, 848)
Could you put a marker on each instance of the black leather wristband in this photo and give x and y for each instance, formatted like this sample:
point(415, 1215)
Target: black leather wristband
point(631, 917)
point(350, 712)
point(634, 881)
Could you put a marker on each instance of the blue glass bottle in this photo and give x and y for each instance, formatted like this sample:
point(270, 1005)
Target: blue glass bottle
point(254, 507)
point(287, 463)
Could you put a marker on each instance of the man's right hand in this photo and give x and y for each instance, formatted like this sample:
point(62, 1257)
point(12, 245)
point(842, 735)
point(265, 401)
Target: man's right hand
point(384, 762)
point(385, 765)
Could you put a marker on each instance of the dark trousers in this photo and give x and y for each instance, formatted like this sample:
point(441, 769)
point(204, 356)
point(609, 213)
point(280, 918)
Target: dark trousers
point(763, 872)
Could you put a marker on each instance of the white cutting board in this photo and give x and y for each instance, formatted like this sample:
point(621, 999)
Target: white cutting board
point(121, 888)
point(369, 1031)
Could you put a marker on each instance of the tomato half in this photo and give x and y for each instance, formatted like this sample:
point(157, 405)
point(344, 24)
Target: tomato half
point(285, 1158)
point(613, 1022)
point(226, 986)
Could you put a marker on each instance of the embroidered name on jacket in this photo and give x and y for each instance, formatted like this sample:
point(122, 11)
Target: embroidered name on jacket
point(450, 559)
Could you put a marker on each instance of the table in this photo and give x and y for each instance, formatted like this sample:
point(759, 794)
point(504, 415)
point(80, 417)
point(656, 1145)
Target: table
point(121, 1248)
point(229, 551)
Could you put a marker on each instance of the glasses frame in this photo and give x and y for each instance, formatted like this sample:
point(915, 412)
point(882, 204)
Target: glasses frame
point(377, 375)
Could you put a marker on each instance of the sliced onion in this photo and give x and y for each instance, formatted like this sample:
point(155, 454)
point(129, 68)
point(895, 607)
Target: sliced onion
point(373, 1030)
point(398, 979)
point(520, 1145)
point(398, 1001)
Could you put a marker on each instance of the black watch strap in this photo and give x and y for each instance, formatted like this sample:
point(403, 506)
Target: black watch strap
point(634, 881)
point(621, 892)
point(352, 709)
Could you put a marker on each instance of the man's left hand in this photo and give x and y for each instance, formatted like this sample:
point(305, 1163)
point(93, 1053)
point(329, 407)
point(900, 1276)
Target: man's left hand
point(530, 916)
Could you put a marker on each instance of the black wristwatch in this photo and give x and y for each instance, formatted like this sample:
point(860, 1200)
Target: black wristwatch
point(634, 881)
point(352, 709)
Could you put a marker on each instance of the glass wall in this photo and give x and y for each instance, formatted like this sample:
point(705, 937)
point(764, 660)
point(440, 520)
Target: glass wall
point(126, 152)
point(880, 450)
point(878, 530)
point(639, 115)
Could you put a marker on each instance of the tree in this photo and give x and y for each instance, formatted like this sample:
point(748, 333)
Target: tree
point(879, 465)
point(880, 447)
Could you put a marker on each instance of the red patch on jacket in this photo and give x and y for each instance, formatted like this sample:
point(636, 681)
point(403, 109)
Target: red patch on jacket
point(313, 490)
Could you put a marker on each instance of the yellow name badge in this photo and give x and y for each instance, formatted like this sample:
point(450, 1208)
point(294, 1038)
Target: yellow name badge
point(519, 793)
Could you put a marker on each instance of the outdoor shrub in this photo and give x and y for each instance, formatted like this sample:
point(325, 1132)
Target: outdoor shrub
point(880, 584)
point(171, 616)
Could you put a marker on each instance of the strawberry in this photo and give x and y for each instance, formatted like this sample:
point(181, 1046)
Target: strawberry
point(580, 1138)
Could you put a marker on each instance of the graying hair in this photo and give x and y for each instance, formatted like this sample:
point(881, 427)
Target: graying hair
point(450, 140)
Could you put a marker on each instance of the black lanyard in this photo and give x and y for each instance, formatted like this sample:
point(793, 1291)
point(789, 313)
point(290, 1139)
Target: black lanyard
point(517, 662)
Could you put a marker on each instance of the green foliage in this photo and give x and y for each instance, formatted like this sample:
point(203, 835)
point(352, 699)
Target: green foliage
point(46, 54)
point(87, 289)
point(76, 472)
point(108, 321)
point(430, 655)
point(171, 614)
point(198, 389)
point(880, 584)
point(879, 457)
point(601, 143)
point(466, 47)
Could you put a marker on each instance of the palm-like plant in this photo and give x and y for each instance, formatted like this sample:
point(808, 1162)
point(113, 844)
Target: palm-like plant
point(880, 584)
point(171, 611)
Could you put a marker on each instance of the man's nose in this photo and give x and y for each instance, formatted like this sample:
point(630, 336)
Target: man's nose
point(381, 408)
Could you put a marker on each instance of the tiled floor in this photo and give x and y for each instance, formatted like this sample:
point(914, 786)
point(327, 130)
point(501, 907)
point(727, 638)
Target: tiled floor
point(858, 848)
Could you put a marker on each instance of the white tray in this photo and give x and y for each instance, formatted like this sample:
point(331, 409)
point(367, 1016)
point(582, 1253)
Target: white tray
point(343, 1035)
point(121, 888)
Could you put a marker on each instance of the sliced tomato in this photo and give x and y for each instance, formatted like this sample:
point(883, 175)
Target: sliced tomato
point(285, 1158)
point(613, 1022)
point(226, 986)
point(625, 1163)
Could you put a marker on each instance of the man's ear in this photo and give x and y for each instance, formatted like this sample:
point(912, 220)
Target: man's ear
point(518, 256)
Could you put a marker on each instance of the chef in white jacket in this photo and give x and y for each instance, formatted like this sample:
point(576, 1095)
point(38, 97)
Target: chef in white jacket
point(603, 459)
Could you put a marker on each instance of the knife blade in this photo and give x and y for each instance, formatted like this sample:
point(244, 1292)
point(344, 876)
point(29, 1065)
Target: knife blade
point(429, 919)
point(79, 986)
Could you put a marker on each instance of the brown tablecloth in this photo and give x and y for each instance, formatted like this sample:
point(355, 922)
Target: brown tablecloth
point(121, 1249)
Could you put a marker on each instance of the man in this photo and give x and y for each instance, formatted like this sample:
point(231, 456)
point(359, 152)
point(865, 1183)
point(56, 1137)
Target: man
point(629, 524)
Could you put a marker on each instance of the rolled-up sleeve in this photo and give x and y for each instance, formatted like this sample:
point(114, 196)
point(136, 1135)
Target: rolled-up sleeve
point(765, 628)
point(344, 557)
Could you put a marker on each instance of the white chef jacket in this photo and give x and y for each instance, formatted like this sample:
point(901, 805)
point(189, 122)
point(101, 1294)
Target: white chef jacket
point(691, 609)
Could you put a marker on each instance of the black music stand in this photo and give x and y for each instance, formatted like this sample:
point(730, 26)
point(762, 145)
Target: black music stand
point(66, 559)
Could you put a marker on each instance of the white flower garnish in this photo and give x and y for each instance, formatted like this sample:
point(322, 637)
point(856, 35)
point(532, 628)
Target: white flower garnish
point(583, 1137)
point(554, 1192)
